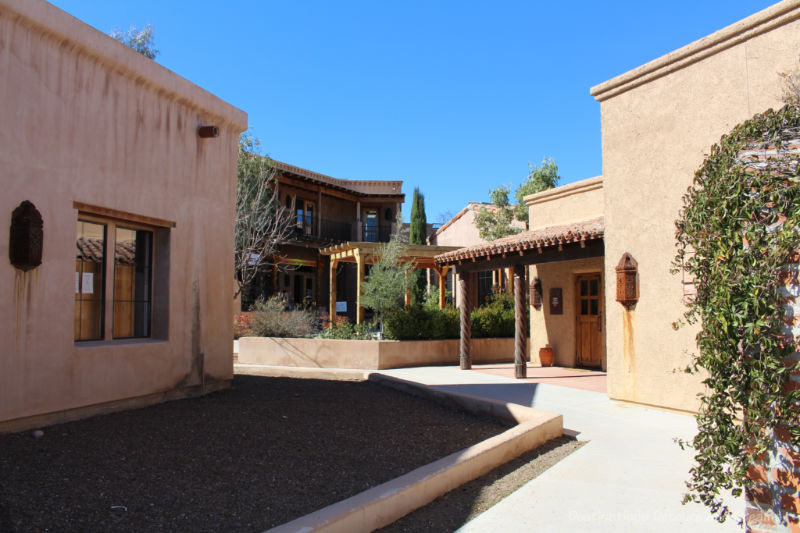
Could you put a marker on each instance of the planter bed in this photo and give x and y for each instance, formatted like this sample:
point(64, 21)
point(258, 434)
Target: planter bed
point(368, 355)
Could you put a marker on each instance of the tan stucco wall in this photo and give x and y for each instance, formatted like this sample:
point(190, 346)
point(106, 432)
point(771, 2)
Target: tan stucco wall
point(85, 119)
point(658, 121)
point(374, 355)
point(581, 200)
point(558, 330)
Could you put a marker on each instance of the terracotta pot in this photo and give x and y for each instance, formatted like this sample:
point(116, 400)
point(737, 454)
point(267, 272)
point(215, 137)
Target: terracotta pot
point(546, 356)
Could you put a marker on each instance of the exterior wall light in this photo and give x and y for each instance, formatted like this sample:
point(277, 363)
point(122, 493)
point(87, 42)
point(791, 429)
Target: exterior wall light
point(536, 293)
point(26, 237)
point(627, 281)
point(207, 132)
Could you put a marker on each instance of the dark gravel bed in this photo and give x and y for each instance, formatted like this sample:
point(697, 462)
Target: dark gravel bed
point(246, 459)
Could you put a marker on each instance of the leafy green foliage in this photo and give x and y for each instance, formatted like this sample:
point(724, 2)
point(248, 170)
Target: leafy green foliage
point(343, 329)
point(389, 277)
point(272, 318)
point(141, 40)
point(418, 234)
point(540, 178)
point(417, 323)
point(494, 319)
point(735, 234)
point(495, 222)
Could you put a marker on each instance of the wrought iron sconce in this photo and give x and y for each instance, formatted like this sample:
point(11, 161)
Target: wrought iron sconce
point(536, 293)
point(207, 132)
point(627, 281)
point(26, 237)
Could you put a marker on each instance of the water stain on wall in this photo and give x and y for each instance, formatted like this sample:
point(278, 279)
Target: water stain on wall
point(629, 354)
point(24, 285)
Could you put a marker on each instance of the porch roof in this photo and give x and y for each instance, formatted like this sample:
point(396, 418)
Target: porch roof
point(530, 247)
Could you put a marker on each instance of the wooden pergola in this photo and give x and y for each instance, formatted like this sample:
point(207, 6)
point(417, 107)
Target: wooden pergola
point(366, 253)
point(557, 243)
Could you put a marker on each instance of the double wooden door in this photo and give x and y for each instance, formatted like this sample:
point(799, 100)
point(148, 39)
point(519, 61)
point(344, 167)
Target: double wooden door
point(589, 320)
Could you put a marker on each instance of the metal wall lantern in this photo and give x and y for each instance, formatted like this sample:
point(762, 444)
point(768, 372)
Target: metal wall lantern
point(627, 281)
point(536, 293)
point(26, 237)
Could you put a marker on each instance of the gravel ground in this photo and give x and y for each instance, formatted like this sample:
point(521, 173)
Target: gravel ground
point(260, 454)
point(459, 506)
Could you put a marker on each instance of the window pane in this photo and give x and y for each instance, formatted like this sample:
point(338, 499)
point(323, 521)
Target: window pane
point(584, 287)
point(594, 306)
point(593, 286)
point(584, 307)
point(89, 280)
point(370, 226)
point(133, 263)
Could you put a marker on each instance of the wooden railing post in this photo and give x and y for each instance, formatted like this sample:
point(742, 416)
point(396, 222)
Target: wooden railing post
point(520, 324)
point(466, 321)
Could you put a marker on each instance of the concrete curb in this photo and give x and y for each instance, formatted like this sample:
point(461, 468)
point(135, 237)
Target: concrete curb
point(382, 505)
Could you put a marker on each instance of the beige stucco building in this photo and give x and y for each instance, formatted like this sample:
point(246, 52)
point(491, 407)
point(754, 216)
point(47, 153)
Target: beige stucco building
point(132, 301)
point(658, 122)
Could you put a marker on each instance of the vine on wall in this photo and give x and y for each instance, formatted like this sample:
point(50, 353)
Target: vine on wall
point(739, 226)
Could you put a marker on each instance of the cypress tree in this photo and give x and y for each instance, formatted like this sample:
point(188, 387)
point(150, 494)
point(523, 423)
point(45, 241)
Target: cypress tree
point(418, 234)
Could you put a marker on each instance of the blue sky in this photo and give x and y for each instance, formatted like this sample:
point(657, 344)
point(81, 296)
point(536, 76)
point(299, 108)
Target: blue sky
point(453, 97)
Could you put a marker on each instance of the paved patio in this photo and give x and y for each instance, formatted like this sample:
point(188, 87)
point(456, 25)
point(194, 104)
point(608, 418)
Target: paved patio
point(575, 378)
point(629, 477)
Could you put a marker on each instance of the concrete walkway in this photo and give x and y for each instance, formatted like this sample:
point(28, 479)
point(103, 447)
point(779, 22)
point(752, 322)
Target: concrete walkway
point(628, 477)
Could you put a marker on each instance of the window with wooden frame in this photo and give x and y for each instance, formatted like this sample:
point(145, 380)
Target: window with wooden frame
point(121, 276)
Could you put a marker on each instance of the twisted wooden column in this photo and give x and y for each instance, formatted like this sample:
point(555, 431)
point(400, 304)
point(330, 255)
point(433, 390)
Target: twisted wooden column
point(466, 322)
point(520, 325)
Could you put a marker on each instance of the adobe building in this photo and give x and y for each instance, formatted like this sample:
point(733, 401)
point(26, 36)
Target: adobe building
point(325, 211)
point(119, 189)
point(658, 123)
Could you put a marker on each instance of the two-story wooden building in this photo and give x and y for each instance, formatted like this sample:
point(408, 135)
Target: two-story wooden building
point(325, 211)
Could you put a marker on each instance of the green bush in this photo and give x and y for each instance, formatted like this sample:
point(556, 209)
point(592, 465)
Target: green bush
point(271, 318)
point(495, 319)
point(343, 329)
point(418, 323)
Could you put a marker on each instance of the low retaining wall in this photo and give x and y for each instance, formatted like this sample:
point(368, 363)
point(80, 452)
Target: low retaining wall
point(370, 355)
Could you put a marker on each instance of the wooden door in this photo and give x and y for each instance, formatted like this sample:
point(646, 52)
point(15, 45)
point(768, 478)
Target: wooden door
point(589, 320)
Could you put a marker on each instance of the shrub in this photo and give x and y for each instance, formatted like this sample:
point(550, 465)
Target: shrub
point(343, 329)
point(271, 318)
point(418, 322)
point(494, 319)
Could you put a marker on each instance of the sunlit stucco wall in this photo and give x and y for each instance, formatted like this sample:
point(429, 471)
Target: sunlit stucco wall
point(88, 120)
point(658, 121)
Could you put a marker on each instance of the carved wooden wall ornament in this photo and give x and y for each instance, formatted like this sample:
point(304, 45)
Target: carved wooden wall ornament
point(26, 237)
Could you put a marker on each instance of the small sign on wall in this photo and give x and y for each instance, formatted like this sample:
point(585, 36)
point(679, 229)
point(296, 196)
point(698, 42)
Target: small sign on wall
point(341, 307)
point(556, 301)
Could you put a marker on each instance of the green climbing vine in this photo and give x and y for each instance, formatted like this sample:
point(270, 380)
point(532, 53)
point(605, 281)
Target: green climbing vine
point(736, 232)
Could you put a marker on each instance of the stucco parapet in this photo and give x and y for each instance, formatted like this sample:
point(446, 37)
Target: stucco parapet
point(752, 26)
point(54, 23)
point(571, 189)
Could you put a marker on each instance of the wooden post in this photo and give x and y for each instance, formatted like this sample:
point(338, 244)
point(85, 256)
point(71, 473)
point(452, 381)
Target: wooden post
point(319, 214)
point(332, 290)
point(359, 281)
point(442, 285)
point(466, 324)
point(520, 324)
point(359, 237)
point(407, 295)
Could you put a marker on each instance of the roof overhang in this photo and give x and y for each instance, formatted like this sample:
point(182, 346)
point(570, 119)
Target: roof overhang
point(556, 243)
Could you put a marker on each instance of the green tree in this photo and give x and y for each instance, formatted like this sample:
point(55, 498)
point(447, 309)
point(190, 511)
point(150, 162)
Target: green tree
point(495, 222)
point(140, 39)
point(262, 223)
point(540, 178)
point(418, 234)
point(389, 277)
